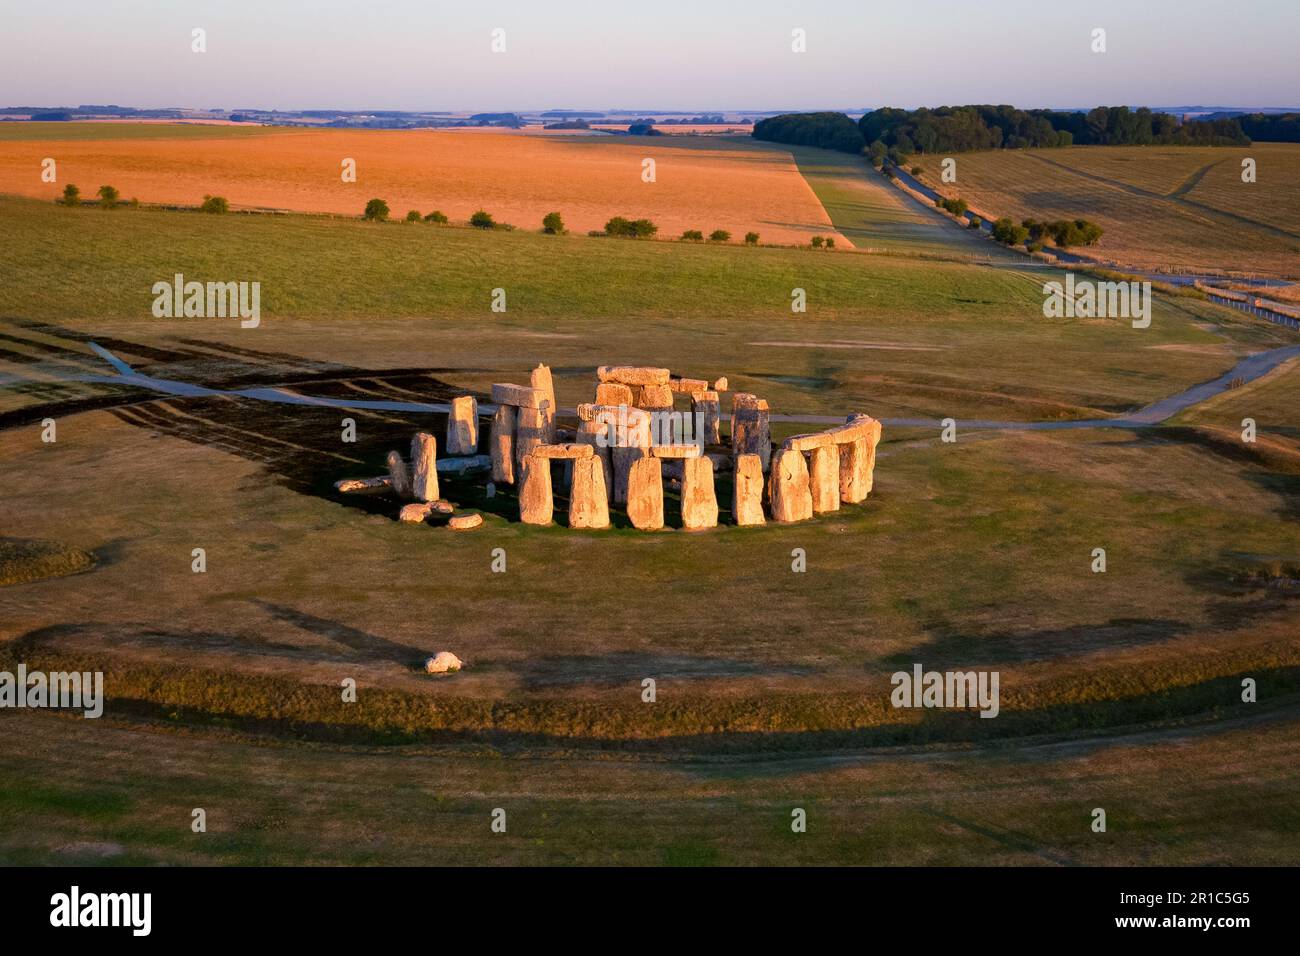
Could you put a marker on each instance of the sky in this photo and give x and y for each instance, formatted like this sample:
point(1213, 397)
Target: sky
point(647, 54)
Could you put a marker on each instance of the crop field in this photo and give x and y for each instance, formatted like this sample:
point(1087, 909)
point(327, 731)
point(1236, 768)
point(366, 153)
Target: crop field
point(699, 183)
point(1119, 688)
point(1162, 208)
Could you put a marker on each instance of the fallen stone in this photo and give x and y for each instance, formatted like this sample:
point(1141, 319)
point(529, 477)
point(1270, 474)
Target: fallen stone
point(566, 451)
point(541, 380)
point(747, 500)
point(399, 475)
point(824, 478)
point(503, 444)
point(588, 495)
point(463, 466)
point(465, 522)
point(441, 507)
point(699, 501)
point(614, 393)
point(520, 396)
point(789, 493)
point(720, 385)
point(633, 375)
point(444, 662)
point(645, 494)
point(462, 426)
point(415, 513)
point(363, 486)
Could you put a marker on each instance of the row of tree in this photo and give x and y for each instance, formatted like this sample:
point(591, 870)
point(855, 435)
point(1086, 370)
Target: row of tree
point(1272, 128)
point(957, 129)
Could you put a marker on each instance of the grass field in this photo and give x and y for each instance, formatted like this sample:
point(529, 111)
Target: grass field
point(700, 183)
point(1162, 208)
point(1119, 689)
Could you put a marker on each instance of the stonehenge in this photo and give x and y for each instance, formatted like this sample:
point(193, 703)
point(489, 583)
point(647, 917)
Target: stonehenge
point(633, 444)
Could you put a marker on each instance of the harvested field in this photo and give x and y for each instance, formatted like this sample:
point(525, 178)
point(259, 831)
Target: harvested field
point(1162, 207)
point(717, 183)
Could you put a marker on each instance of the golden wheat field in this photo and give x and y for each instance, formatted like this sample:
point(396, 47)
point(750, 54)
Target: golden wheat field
point(1162, 207)
point(736, 185)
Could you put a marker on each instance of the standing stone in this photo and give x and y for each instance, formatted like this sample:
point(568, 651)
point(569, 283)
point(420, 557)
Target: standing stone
point(588, 497)
point(699, 502)
point(645, 494)
point(751, 431)
point(529, 433)
point(536, 503)
point(399, 476)
point(790, 495)
point(633, 437)
point(503, 444)
point(708, 405)
point(462, 426)
point(541, 380)
point(424, 467)
point(824, 478)
point(614, 393)
point(599, 436)
point(747, 501)
point(858, 459)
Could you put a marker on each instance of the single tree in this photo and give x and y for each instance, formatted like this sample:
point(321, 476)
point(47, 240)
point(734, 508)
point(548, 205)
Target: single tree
point(751, 238)
point(482, 220)
point(553, 224)
point(436, 217)
point(108, 197)
point(71, 195)
point(693, 235)
point(376, 210)
point(817, 242)
point(214, 204)
point(719, 235)
point(413, 215)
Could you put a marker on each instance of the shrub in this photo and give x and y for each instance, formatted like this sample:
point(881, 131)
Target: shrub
point(956, 206)
point(830, 242)
point(1076, 232)
point(214, 204)
point(553, 225)
point(719, 235)
point(482, 220)
point(596, 233)
point(817, 242)
point(976, 222)
point(108, 197)
point(1031, 246)
point(413, 215)
point(693, 235)
point(376, 210)
point(1007, 232)
point(436, 217)
point(751, 238)
point(916, 170)
point(71, 195)
point(876, 152)
point(632, 229)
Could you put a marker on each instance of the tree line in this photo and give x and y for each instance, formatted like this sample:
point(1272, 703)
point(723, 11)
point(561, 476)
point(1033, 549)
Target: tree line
point(956, 129)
